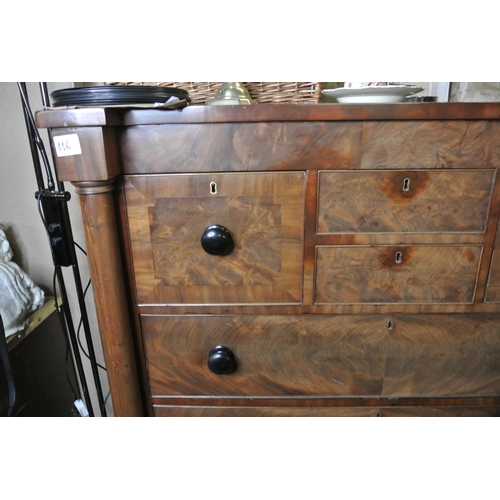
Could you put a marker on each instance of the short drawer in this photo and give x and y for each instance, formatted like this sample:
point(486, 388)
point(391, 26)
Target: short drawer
point(263, 215)
point(302, 355)
point(434, 274)
point(414, 201)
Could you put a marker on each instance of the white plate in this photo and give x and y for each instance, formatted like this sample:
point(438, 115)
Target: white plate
point(388, 93)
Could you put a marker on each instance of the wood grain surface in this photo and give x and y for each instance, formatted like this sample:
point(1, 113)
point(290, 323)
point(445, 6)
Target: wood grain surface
point(398, 274)
point(410, 201)
point(356, 228)
point(98, 160)
point(231, 411)
point(85, 117)
point(415, 144)
point(364, 355)
point(221, 147)
point(109, 288)
point(264, 214)
point(313, 145)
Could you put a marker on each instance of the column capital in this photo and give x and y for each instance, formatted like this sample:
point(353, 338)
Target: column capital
point(94, 187)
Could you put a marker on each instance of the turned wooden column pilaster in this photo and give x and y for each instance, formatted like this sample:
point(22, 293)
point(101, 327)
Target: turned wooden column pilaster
point(106, 268)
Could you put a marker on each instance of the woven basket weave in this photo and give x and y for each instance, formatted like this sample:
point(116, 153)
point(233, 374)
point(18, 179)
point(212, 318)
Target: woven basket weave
point(262, 92)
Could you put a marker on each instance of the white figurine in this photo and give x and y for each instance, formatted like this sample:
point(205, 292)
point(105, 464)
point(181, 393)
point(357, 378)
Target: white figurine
point(19, 295)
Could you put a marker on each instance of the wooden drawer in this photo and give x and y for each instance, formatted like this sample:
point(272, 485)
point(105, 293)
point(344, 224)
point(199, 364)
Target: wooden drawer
point(346, 411)
point(429, 144)
point(358, 355)
point(437, 274)
point(415, 201)
point(264, 213)
point(245, 147)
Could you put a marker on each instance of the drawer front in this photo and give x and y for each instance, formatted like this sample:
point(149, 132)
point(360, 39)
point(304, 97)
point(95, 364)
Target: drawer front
point(264, 214)
point(429, 144)
point(420, 356)
point(396, 274)
point(416, 201)
point(245, 147)
point(366, 411)
point(249, 411)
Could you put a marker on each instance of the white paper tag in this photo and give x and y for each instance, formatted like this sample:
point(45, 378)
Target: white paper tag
point(67, 145)
point(82, 409)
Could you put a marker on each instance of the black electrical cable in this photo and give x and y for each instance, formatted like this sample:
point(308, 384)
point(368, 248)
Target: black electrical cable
point(44, 93)
point(4, 350)
point(81, 319)
point(67, 326)
point(36, 136)
point(105, 402)
point(58, 310)
point(32, 141)
point(80, 248)
point(62, 207)
point(76, 275)
point(87, 355)
point(61, 320)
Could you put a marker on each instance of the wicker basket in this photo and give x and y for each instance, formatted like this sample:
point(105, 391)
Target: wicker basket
point(261, 92)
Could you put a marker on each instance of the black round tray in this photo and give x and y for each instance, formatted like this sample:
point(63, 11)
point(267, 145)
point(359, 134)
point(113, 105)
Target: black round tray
point(115, 95)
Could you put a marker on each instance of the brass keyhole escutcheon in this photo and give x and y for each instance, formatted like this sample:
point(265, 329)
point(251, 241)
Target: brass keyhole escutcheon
point(213, 188)
point(399, 257)
point(406, 184)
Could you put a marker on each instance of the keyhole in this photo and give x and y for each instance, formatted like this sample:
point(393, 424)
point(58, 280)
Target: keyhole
point(399, 257)
point(390, 325)
point(406, 184)
point(213, 188)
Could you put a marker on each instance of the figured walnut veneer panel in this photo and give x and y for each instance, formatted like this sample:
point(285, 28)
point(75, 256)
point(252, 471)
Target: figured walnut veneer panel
point(415, 201)
point(264, 214)
point(253, 411)
point(219, 147)
point(426, 355)
point(396, 274)
point(346, 411)
point(427, 144)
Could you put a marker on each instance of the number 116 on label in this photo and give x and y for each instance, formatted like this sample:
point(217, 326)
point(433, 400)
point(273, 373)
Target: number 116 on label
point(67, 145)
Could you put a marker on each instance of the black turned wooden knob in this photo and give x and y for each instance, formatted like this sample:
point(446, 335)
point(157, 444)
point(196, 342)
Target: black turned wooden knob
point(216, 240)
point(221, 360)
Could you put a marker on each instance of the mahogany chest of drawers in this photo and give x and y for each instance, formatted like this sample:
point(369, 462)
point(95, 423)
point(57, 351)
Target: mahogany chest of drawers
point(293, 260)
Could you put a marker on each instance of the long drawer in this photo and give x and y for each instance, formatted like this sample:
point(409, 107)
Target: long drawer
point(367, 411)
point(358, 355)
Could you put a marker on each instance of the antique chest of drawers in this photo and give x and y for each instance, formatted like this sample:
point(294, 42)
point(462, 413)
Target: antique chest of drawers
point(293, 260)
